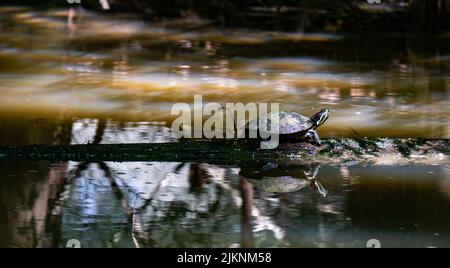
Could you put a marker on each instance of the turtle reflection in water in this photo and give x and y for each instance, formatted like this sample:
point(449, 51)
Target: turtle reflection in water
point(273, 179)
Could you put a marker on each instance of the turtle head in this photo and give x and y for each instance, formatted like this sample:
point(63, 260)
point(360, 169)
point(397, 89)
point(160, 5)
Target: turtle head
point(320, 117)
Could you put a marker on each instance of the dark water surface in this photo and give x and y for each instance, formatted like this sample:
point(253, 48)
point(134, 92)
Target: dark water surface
point(154, 204)
point(105, 79)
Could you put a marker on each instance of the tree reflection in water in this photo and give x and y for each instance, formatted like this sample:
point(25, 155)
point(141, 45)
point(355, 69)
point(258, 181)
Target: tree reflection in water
point(162, 204)
point(167, 204)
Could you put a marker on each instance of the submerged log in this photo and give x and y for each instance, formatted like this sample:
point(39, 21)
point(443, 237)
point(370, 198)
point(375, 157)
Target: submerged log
point(381, 151)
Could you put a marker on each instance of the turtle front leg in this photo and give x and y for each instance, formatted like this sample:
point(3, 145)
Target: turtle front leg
point(314, 136)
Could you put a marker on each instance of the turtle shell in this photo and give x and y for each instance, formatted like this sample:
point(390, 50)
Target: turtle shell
point(289, 122)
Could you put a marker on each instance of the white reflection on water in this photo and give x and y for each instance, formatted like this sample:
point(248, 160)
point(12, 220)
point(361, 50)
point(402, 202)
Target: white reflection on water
point(129, 69)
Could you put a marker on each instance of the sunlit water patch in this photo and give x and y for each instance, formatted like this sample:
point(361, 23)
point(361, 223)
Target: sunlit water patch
point(129, 70)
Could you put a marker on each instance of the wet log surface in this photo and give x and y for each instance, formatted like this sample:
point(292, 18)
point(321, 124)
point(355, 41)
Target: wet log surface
point(333, 151)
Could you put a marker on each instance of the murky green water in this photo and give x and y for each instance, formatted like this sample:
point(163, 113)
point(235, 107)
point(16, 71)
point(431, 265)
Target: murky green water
point(106, 79)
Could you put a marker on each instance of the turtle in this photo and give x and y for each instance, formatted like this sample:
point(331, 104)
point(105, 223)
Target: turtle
point(273, 179)
point(291, 125)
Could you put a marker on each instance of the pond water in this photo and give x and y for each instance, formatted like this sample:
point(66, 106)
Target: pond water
point(112, 79)
point(154, 204)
